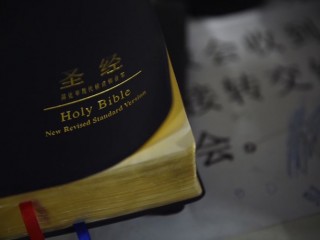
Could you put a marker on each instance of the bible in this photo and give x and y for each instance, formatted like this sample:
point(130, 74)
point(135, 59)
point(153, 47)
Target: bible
point(95, 124)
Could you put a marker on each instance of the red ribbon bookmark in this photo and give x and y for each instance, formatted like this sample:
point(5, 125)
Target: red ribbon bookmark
point(30, 221)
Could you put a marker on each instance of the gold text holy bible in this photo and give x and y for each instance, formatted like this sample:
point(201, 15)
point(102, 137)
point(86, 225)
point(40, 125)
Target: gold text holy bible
point(94, 124)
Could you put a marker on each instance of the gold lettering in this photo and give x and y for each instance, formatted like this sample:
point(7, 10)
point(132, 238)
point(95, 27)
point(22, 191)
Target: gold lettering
point(73, 78)
point(77, 92)
point(63, 97)
point(110, 80)
point(97, 86)
point(114, 98)
point(109, 66)
point(65, 116)
point(127, 92)
point(51, 133)
point(70, 95)
point(66, 129)
point(134, 100)
point(77, 126)
point(102, 104)
point(82, 112)
point(76, 114)
point(83, 90)
point(90, 88)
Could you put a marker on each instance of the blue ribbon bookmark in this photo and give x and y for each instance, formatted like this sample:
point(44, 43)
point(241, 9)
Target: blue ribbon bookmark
point(82, 231)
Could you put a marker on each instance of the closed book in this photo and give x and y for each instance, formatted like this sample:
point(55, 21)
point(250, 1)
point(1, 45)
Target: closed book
point(95, 124)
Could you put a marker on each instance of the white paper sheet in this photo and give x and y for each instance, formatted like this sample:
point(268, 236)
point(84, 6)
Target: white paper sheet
point(255, 110)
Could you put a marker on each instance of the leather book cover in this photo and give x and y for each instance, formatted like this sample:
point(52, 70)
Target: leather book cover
point(84, 85)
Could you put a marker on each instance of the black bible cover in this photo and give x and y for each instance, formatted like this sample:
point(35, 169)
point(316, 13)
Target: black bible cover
point(84, 85)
